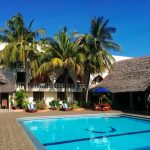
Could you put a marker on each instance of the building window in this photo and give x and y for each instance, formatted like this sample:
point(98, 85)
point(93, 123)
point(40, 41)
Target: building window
point(97, 79)
point(61, 95)
point(21, 77)
point(38, 96)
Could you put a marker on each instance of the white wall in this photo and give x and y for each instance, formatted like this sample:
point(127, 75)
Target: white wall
point(119, 58)
point(30, 96)
point(49, 96)
point(69, 96)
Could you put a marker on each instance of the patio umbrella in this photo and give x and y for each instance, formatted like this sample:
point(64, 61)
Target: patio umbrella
point(101, 90)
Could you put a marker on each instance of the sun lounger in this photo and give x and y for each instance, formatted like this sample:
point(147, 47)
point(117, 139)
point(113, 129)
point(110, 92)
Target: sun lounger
point(31, 108)
point(97, 107)
point(105, 107)
point(65, 107)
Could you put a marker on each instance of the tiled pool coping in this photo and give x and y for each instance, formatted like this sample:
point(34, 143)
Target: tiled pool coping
point(33, 139)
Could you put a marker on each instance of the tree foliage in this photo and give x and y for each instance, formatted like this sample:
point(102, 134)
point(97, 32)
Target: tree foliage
point(84, 54)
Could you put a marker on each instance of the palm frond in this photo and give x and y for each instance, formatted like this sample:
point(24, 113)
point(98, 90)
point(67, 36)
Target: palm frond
point(56, 63)
point(30, 25)
point(110, 45)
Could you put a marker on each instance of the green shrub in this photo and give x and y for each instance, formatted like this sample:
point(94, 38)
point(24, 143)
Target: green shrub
point(25, 104)
point(81, 103)
point(54, 104)
point(105, 100)
point(38, 101)
point(41, 105)
point(88, 104)
point(73, 104)
point(21, 99)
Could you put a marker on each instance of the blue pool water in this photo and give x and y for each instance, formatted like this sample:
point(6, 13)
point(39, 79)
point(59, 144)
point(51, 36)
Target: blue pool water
point(89, 133)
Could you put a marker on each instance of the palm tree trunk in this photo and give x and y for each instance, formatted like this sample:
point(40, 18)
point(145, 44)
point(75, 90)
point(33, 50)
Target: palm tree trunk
point(87, 87)
point(15, 77)
point(25, 63)
point(66, 82)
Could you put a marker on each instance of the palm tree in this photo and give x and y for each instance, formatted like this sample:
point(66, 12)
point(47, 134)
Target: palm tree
point(21, 44)
point(63, 53)
point(97, 45)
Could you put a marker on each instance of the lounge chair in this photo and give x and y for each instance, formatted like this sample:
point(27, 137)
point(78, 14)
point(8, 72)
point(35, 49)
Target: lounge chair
point(65, 107)
point(31, 108)
point(97, 107)
point(105, 107)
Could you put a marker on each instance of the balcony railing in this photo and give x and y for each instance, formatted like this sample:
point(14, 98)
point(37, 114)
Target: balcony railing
point(80, 87)
point(20, 85)
point(51, 87)
point(40, 85)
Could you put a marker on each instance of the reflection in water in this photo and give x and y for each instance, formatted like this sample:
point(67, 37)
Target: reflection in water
point(103, 142)
point(33, 128)
point(111, 130)
point(100, 142)
point(94, 131)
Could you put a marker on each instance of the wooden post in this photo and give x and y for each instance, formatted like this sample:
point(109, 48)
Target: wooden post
point(9, 100)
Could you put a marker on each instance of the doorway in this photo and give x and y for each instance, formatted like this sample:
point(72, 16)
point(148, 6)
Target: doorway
point(4, 100)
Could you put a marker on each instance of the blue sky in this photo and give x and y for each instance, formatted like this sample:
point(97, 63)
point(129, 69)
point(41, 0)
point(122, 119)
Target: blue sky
point(130, 17)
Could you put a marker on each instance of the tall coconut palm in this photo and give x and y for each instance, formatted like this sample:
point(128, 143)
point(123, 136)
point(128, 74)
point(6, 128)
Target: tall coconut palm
point(63, 54)
point(21, 44)
point(97, 45)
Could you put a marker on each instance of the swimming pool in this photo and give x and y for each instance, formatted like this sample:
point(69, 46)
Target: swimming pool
point(96, 132)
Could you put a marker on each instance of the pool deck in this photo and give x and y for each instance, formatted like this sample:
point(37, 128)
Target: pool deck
point(12, 136)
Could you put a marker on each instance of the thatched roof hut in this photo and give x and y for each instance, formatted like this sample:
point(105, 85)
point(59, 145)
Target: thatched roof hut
point(5, 85)
point(131, 75)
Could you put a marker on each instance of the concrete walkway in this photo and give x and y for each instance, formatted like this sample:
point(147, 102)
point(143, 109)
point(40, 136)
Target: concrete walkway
point(12, 136)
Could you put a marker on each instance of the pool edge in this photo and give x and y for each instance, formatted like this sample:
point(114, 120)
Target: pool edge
point(35, 142)
point(40, 146)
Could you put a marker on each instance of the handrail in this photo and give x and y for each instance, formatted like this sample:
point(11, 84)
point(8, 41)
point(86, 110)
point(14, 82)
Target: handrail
point(51, 85)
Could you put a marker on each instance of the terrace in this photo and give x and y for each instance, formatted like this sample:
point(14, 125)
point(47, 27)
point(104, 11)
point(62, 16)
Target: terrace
point(12, 135)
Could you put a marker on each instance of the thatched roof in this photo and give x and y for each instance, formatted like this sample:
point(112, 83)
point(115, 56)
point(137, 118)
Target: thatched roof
point(5, 85)
point(128, 76)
